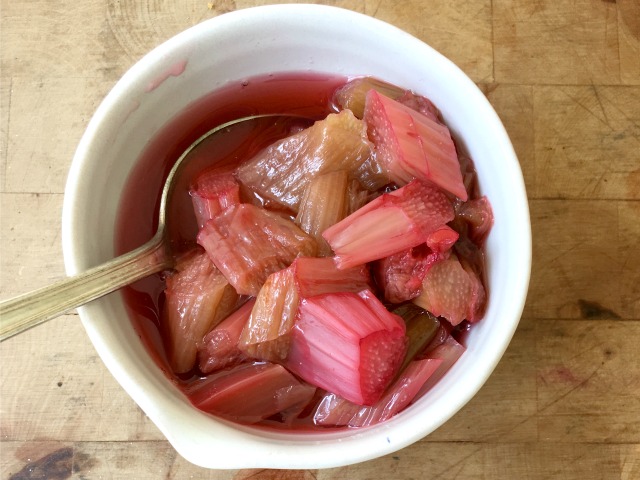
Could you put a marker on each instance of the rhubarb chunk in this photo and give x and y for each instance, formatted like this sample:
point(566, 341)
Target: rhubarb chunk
point(352, 95)
point(451, 291)
point(198, 297)
point(400, 276)
point(248, 244)
point(422, 328)
point(404, 218)
point(478, 215)
point(347, 344)
point(213, 192)
point(410, 145)
point(335, 411)
point(267, 334)
point(448, 352)
point(324, 203)
point(421, 105)
point(328, 199)
point(280, 172)
point(316, 276)
point(219, 347)
point(249, 393)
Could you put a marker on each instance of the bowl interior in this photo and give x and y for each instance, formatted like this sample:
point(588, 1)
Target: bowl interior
point(266, 40)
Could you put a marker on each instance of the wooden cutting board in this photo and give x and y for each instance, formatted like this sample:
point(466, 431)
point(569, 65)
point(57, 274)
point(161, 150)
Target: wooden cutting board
point(565, 400)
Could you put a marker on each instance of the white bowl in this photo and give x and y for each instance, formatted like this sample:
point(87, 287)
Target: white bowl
point(260, 41)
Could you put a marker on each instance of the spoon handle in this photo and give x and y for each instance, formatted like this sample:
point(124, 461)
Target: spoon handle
point(25, 311)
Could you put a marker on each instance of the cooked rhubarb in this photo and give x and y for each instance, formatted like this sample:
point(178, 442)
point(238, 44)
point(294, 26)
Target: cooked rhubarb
point(448, 351)
point(404, 218)
point(337, 268)
point(420, 104)
point(422, 328)
point(348, 344)
point(198, 297)
point(400, 275)
point(357, 196)
point(353, 95)
point(267, 334)
point(219, 347)
point(472, 259)
point(478, 215)
point(248, 243)
point(327, 199)
point(451, 291)
point(324, 203)
point(410, 145)
point(315, 276)
point(334, 410)
point(280, 172)
point(250, 392)
point(213, 191)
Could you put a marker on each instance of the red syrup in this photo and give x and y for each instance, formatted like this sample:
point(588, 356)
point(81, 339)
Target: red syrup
point(304, 94)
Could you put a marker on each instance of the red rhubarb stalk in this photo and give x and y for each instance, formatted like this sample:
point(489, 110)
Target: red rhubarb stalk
point(348, 344)
point(219, 347)
point(248, 243)
point(249, 393)
point(333, 410)
point(411, 145)
point(404, 218)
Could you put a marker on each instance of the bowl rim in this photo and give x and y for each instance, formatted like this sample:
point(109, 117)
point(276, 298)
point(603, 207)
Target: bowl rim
point(309, 451)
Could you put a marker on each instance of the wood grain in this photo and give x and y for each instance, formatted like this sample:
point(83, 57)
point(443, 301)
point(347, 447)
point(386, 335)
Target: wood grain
point(605, 164)
point(557, 42)
point(564, 402)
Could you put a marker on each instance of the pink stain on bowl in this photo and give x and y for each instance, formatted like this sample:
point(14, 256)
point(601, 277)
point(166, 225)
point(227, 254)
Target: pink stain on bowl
point(174, 71)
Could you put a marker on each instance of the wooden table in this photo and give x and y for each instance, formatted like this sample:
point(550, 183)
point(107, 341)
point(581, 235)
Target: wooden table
point(565, 400)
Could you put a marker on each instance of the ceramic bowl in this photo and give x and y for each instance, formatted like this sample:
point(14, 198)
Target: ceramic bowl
point(257, 41)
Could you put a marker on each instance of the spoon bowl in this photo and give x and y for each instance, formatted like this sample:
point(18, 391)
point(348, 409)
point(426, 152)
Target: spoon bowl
point(30, 309)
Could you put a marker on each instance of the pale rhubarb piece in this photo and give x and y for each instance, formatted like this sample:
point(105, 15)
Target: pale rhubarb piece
point(404, 218)
point(336, 411)
point(280, 172)
point(448, 351)
point(267, 334)
point(357, 196)
point(400, 275)
point(324, 203)
point(410, 145)
point(219, 348)
point(347, 344)
point(248, 243)
point(421, 105)
point(478, 215)
point(213, 191)
point(249, 392)
point(422, 328)
point(198, 297)
point(316, 276)
point(452, 291)
point(352, 95)
point(328, 199)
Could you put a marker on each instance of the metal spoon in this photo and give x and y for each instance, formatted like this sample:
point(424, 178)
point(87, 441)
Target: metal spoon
point(28, 310)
